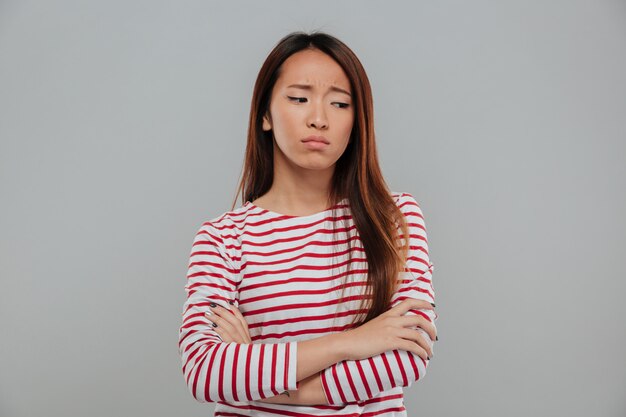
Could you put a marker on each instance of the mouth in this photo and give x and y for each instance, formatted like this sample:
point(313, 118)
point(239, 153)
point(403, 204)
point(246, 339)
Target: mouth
point(315, 144)
point(319, 139)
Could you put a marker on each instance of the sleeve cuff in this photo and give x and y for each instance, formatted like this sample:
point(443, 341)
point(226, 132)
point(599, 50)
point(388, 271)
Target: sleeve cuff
point(291, 363)
point(326, 381)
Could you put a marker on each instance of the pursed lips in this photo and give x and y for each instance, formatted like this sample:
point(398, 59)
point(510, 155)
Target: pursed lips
point(321, 139)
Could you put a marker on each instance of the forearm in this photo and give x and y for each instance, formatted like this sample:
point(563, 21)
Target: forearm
point(313, 357)
point(317, 354)
point(310, 392)
point(358, 380)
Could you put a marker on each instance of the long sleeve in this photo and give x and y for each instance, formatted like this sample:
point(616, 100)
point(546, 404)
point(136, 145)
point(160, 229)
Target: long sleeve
point(357, 380)
point(215, 370)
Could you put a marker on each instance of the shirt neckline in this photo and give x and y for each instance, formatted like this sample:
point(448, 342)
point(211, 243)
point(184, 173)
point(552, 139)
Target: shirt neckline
point(290, 216)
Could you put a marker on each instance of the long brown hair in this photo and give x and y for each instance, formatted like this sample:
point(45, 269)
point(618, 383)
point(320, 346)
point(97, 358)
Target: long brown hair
point(357, 174)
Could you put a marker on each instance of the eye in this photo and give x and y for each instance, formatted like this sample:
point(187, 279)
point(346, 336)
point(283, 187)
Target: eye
point(297, 98)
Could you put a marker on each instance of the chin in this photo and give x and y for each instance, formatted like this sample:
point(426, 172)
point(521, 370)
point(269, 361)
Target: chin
point(315, 166)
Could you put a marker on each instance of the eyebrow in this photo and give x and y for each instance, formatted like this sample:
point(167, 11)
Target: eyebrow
point(308, 87)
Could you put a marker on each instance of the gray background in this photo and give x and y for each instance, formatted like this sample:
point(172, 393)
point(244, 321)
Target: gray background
point(123, 128)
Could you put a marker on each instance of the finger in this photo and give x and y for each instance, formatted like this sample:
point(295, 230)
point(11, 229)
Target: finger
point(426, 325)
point(235, 318)
point(224, 325)
point(224, 335)
point(411, 346)
point(224, 330)
point(419, 339)
point(410, 304)
point(231, 322)
point(244, 324)
point(238, 314)
point(426, 339)
point(231, 314)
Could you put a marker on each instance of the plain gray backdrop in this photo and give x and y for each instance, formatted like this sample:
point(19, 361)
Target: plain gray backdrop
point(123, 127)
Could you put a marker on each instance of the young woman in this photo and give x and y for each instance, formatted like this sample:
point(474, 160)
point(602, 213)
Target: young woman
point(315, 295)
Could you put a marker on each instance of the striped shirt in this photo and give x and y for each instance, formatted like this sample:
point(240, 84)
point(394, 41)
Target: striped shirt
point(285, 274)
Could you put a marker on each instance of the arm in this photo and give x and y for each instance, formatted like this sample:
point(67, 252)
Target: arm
point(356, 380)
point(215, 370)
point(310, 392)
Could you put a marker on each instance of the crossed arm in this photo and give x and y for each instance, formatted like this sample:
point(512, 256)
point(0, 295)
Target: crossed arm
point(345, 381)
point(236, 368)
point(312, 386)
point(254, 370)
point(234, 329)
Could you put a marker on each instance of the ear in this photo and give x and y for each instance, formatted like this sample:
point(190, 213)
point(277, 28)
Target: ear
point(267, 125)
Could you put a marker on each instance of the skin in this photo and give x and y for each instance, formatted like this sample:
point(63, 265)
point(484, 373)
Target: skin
point(302, 179)
point(302, 176)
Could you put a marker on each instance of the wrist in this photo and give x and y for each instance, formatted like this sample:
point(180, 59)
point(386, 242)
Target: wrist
point(311, 391)
point(340, 344)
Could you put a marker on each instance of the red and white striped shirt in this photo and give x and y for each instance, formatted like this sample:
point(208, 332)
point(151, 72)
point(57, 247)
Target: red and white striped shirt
point(285, 274)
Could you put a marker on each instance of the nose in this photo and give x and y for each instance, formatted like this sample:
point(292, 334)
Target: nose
point(317, 117)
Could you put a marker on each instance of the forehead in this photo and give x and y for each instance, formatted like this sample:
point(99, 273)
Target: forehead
point(312, 67)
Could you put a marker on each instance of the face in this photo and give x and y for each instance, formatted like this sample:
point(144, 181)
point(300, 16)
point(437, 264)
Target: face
point(307, 99)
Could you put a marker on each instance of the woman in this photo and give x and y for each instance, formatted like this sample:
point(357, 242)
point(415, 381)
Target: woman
point(308, 297)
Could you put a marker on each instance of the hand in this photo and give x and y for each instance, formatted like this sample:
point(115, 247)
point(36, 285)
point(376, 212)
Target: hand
point(389, 331)
point(230, 325)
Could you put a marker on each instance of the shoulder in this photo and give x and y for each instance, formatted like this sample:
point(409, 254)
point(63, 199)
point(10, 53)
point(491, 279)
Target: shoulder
point(225, 231)
point(412, 211)
point(407, 203)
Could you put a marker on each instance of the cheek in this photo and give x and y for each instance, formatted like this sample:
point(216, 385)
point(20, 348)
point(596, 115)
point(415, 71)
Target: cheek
point(346, 128)
point(285, 122)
